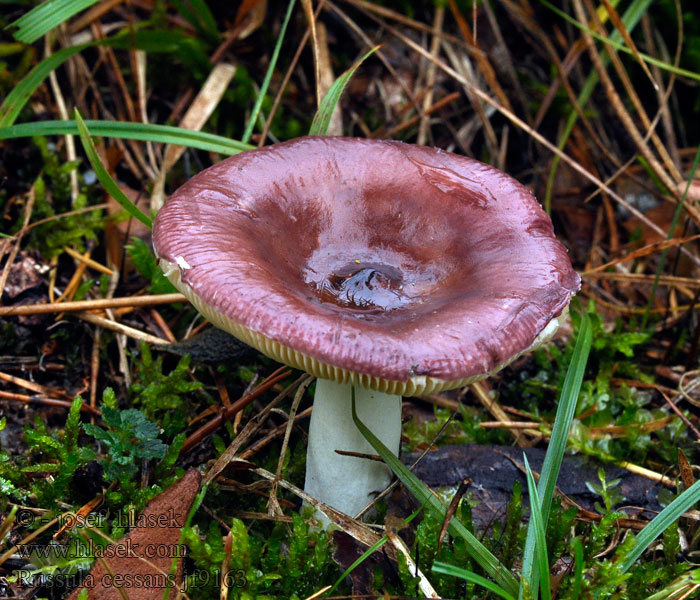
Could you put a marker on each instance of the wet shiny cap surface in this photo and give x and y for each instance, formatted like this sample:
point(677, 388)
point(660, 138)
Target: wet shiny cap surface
point(405, 268)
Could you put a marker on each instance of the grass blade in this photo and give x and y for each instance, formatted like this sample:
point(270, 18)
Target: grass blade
point(630, 18)
point(560, 434)
point(322, 118)
point(14, 101)
point(148, 132)
point(537, 525)
point(105, 179)
point(268, 76)
point(151, 41)
point(447, 569)
point(618, 45)
point(43, 18)
point(661, 522)
point(565, 415)
point(424, 495)
point(578, 569)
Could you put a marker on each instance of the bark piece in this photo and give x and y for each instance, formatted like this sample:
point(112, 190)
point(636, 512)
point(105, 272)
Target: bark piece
point(492, 474)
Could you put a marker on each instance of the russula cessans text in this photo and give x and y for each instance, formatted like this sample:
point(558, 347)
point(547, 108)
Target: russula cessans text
point(400, 269)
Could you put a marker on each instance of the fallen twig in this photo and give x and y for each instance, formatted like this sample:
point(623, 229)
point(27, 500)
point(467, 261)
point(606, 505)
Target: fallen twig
point(99, 304)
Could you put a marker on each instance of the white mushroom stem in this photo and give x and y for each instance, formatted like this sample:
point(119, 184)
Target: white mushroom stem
point(349, 483)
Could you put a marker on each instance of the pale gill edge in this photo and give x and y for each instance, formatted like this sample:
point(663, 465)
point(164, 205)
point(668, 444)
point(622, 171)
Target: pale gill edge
point(415, 386)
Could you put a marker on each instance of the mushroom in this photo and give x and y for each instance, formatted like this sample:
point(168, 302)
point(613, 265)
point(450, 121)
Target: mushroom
point(400, 269)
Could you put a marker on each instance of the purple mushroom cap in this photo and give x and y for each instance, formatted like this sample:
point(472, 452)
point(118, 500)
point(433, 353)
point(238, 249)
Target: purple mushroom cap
point(404, 268)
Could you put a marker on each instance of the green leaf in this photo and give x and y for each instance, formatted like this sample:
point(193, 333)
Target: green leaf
point(134, 420)
point(130, 438)
point(148, 132)
point(564, 416)
point(105, 178)
point(447, 569)
point(98, 432)
point(661, 522)
point(557, 445)
point(172, 454)
point(186, 48)
point(578, 569)
point(19, 95)
point(152, 449)
point(538, 526)
point(42, 442)
point(322, 118)
point(109, 399)
point(424, 495)
point(43, 18)
point(83, 289)
point(7, 488)
point(111, 416)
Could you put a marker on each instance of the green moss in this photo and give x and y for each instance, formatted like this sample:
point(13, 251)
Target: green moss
point(286, 562)
point(52, 197)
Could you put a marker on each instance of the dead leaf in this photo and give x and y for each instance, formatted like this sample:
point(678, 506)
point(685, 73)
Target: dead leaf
point(141, 560)
point(249, 17)
point(25, 274)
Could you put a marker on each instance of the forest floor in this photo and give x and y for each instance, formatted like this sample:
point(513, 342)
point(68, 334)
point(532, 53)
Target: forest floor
point(114, 389)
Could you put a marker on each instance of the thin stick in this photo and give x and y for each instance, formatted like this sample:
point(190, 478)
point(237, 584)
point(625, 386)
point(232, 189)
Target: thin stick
point(46, 402)
point(131, 332)
point(93, 264)
point(15, 249)
point(34, 387)
point(438, 20)
point(495, 409)
point(63, 112)
point(644, 251)
point(682, 417)
point(509, 424)
point(230, 412)
point(539, 138)
point(99, 304)
point(648, 473)
point(273, 504)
